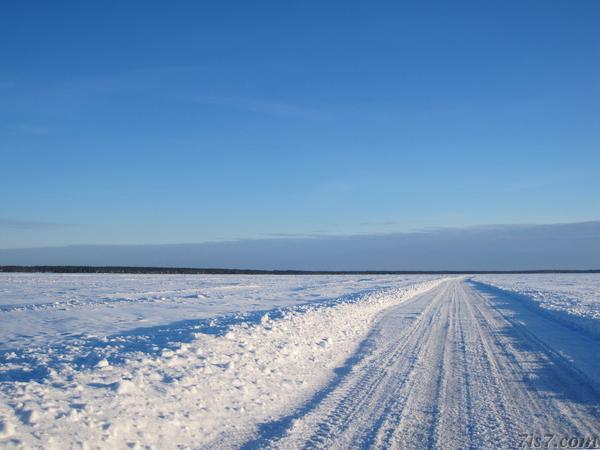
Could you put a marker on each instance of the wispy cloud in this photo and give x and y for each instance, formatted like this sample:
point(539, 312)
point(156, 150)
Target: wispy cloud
point(27, 129)
point(174, 83)
point(17, 224)
point(262, 106)
point(379, 224)
point(291, 235)
point(34, 129)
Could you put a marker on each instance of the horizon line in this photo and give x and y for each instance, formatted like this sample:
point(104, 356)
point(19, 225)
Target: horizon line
point(174, 270)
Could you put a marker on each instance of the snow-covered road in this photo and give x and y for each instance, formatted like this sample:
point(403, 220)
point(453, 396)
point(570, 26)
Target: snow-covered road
point(456, 367)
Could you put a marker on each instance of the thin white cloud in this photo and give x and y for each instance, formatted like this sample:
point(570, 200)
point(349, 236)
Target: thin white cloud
point(259, 106)
point(31, 224)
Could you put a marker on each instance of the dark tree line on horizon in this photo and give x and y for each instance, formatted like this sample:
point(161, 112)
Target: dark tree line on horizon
point(217, 271)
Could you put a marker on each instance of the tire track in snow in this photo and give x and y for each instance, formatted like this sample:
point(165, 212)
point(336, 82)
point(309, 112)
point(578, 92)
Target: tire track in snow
point(575, 401)
point(451, 368)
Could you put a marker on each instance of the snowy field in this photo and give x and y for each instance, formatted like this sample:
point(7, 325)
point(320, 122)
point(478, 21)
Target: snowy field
point(573, 299)
point(113, 359)
point(42, 309)
point(182, 361)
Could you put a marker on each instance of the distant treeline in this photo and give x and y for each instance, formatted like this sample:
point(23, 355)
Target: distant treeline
point(192, 271)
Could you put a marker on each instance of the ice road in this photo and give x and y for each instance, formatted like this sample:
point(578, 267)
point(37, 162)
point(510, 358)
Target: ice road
point(459, 366)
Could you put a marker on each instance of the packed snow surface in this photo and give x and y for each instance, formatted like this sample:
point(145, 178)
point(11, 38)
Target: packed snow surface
point(456, 367)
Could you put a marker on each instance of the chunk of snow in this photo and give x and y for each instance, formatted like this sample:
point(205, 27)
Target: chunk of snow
point(102, 363)
point(6, 428)
point(125, 387)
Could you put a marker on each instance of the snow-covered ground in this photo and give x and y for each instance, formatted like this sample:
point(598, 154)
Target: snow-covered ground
point(573, 299)
point(42, 309)
point(123, 361)
point(114, 360)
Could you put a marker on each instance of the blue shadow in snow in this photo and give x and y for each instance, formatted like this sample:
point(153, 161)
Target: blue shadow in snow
point(86, 353)
point(532, 331)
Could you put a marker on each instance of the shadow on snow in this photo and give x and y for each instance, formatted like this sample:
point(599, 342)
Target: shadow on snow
point(85, 352)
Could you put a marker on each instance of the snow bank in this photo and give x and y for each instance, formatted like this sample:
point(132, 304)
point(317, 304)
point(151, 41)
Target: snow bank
point(572, 299)
point(198, 393)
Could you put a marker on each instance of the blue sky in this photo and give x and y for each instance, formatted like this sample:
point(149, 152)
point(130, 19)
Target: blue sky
point(189, 122)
